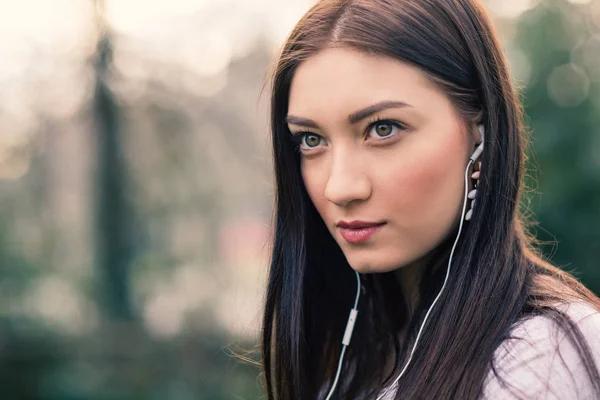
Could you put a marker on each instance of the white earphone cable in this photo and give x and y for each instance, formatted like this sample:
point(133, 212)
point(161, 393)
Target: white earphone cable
point(347, 334)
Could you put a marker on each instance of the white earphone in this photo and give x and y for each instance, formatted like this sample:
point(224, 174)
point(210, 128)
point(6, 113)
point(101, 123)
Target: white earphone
point(479, 149)
point(354, 311)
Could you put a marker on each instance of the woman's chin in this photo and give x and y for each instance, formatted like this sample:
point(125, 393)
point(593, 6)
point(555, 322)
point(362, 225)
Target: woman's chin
point(372, 267)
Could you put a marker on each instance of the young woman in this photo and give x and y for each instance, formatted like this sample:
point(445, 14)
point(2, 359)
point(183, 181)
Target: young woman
point(399, 154)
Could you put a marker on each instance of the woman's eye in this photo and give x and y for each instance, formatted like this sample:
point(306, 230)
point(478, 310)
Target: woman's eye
point(384, 129)
point(311, 140)
point(306, 141)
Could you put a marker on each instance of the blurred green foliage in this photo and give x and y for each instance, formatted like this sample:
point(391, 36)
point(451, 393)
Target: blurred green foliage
point(562, 101)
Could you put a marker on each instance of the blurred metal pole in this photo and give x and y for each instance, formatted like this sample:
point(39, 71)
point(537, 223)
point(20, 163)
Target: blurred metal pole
point(113, 216)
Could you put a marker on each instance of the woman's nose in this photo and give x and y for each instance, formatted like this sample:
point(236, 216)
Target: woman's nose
point(347, 182)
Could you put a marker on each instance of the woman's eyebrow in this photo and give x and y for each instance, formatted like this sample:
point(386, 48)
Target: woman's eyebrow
point(352, 118)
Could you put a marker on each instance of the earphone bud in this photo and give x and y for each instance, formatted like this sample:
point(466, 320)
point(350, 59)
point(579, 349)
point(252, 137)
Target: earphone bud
point(353, 313)
point(479, 149)
point(473, 193)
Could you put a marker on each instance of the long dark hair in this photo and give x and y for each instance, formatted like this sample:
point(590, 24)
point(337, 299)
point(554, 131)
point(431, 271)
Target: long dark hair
point(498, 276)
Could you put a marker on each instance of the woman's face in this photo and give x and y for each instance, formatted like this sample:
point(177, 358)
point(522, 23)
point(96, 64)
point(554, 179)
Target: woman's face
point(405, 171)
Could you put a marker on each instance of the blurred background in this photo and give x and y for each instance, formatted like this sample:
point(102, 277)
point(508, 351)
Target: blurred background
point(136, 185)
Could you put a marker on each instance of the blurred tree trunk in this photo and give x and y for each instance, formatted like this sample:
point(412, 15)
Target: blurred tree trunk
point(113, 214)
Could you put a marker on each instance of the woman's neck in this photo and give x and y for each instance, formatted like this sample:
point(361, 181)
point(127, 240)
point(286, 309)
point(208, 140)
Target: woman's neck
point(410, 276)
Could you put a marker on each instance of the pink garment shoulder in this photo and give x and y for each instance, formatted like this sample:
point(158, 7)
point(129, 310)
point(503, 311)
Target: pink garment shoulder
point(540, 362)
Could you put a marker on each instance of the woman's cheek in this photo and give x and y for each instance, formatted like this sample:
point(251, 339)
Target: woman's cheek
point(315, 183)
point(407, 187)
point(418, 192)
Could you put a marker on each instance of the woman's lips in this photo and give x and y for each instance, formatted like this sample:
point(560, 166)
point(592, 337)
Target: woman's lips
point(358, 235)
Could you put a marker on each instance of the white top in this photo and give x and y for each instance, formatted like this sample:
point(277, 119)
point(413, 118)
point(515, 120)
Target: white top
point(540, 362)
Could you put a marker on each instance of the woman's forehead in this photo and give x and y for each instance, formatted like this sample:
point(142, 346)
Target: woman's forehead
point(346, 80)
